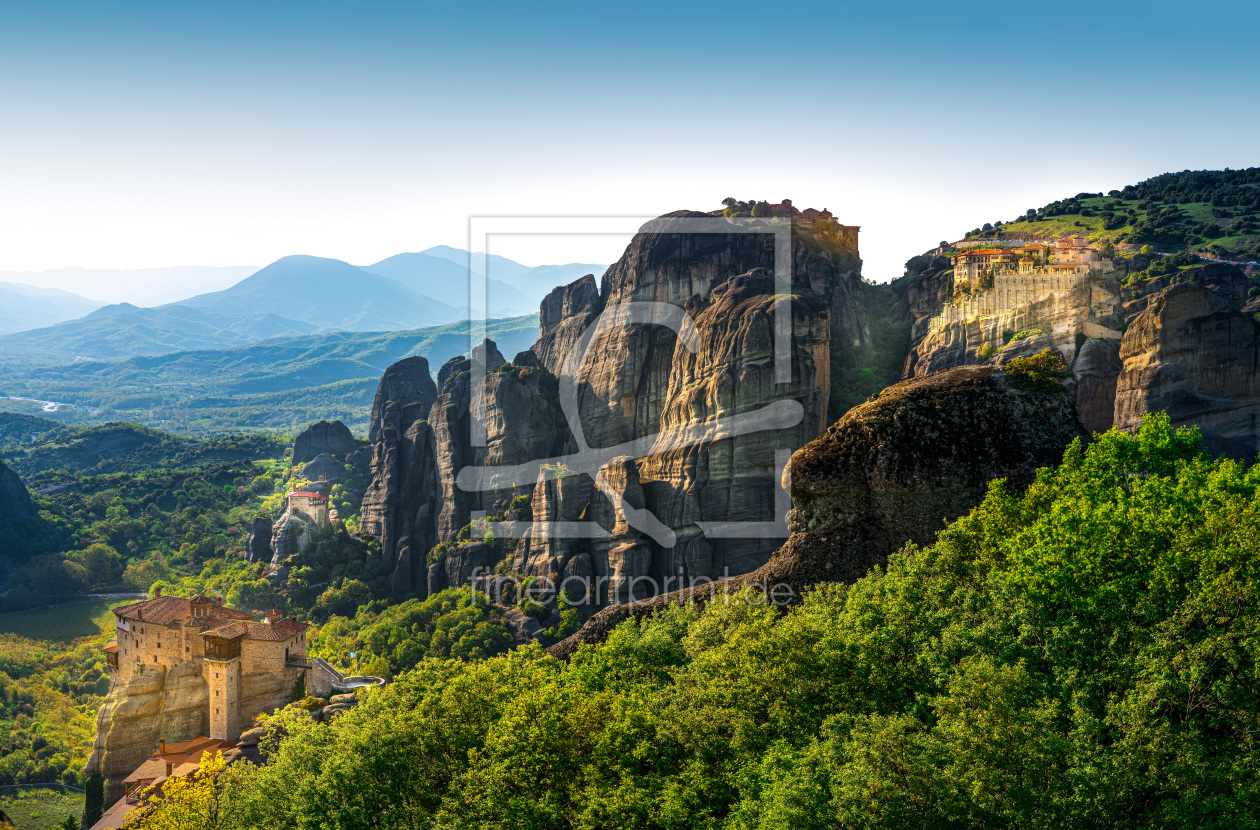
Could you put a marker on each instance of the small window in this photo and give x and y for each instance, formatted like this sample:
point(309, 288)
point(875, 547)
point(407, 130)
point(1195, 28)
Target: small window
point(216, 692)
point(155, 658)
point(187, 649)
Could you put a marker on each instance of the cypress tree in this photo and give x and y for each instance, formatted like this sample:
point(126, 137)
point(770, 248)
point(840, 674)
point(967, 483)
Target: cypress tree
point(94, 805)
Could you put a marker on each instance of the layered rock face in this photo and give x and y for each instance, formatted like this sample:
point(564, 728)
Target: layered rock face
point(399, 504)
point(1090, 310)
point(332, 438)
point(155, 704)
point(1193, 354)
point(169, 705)
point(891, 471)
point(649, 435)
point(1167, 363)
point(644, 388)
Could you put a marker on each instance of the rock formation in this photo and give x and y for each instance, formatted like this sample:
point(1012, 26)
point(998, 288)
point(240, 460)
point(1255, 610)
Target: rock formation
point(891, 471)
point(324, 468)
point(331, 438)
point(155, 704)
point(643, 384)
point(258, 540)
point(1172, 361)
point(15, 501)
point(668, 400)
point(1193, 354)
point(399, 504)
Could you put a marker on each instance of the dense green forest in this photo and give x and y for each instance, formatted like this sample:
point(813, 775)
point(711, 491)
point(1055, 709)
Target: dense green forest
point(43, 451)
point(1214, 211)
point(1082, 654)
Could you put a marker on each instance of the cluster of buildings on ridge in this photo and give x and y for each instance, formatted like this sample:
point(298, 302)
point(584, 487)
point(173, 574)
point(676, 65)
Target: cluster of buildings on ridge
point(1020, 274)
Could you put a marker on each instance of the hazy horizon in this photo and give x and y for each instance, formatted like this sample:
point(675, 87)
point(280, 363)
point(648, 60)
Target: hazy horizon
point(144, 135)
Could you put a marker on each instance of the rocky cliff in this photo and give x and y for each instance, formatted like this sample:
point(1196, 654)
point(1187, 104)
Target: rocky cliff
point(331, 438)
point(171, 705)
point(647, 422)
point(15, 501)
point(18, 518)
point(891, 471)
point(1133, 348)
point(1194, 354)
point(398, 506)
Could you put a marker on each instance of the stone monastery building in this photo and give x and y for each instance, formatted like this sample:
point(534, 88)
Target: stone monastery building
point(1020, 274)
point(231, 648)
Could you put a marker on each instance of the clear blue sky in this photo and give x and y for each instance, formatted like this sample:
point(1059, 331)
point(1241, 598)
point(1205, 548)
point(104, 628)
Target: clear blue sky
point(149, 134)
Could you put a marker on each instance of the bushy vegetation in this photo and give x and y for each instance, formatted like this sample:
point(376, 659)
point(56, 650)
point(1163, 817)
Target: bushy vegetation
point(1217, 211)
point(127, 531)
point(1082, 654)
point(123, 448)
point(42, 809)
point(1164, 266)
point(1040, 372)
point(49, 694)
point(390, 639)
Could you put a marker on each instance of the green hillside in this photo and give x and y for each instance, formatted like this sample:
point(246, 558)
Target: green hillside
point(278, 384)
point(127, 448)
point(1217, 212)
point(1079, 655)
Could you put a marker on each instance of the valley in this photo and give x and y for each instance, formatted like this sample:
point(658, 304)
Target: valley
point(323, 483)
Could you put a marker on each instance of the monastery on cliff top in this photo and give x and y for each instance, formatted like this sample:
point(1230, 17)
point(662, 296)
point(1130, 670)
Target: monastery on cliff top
point(228, 645)
point(1021, 274)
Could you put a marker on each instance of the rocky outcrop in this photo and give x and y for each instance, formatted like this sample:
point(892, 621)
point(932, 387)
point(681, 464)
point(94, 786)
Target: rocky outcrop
point(891, 471)
point(15, 501)
point(405, 395)
point(641, 384)
point(682, 376)
point(1193, 354)
point(332, 438)
point(1097, 368)
point(324, 468)
point(399, 505)
point(563, 317)
point(292, 534)
point(154, 705)
point(258, 540)
point(1064, 316)
point(1096, 328)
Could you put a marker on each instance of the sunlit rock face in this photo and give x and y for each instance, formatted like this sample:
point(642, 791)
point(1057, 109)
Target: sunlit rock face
point(647, 393)
point(641, 389)
point(893, 470)
point(1193, 354)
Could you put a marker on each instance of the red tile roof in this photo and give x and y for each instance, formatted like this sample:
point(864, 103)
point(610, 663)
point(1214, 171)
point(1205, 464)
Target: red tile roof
point(167, 610)
point(308, 494)
point(279, 630)
point(112, 646)
point(184, 757)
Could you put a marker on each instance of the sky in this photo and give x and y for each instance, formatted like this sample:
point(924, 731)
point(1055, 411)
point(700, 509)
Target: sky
point(141, 135)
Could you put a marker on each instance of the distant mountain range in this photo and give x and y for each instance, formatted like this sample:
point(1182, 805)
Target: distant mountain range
point(28, 306)
point(278, 383)
point(139, 286)
point(295, 295)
